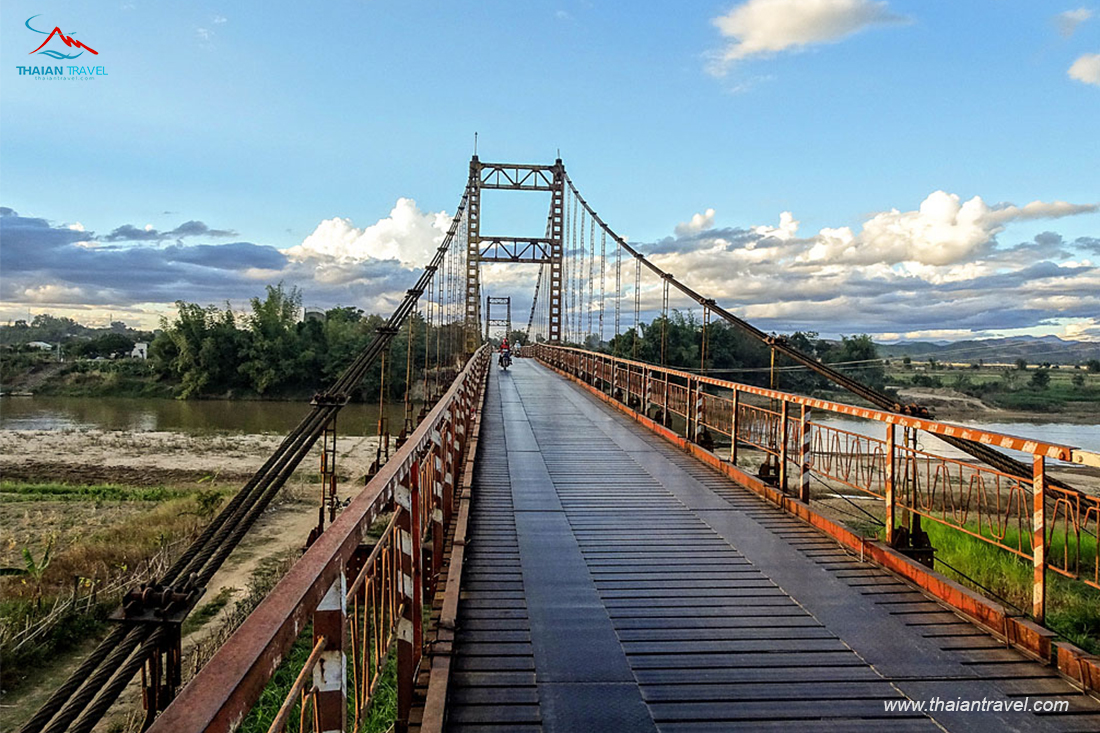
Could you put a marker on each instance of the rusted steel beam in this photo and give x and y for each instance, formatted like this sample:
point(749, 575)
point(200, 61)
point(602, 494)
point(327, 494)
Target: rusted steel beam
point(804, 453)
point(330, 679)
point(891, 483)
point(1039, 541)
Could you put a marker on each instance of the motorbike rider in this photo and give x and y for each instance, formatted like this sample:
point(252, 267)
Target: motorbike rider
point(505, 352)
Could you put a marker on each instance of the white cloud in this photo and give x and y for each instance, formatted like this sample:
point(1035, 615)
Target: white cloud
point(407, 235)
point(943, 231)
point(787, 229)
point(1087, 329)
point(697, 223)
point(1086, 69)
point(761, 27)
point(1068, 21)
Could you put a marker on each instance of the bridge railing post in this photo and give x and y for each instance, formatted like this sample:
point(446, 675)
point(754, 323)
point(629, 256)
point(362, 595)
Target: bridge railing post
point(700, 413)
point(891, 482)
point(330, 679)
point(1039, 539)
point(734, 418)
point(804, 454)
point(689, 410)
point(439, 470)
point(410, 626)
point(783, 428)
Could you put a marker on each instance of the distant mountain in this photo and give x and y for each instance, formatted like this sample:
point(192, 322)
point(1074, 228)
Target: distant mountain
point(1035, 349)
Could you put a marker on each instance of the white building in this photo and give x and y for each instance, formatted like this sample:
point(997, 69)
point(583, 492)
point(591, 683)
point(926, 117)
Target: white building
point(141, 350)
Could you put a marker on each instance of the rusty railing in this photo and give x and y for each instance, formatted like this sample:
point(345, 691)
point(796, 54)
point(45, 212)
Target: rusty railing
point(364, 600)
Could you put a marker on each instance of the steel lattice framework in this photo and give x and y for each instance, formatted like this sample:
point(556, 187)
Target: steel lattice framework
point(547, 250)
point(506, 322)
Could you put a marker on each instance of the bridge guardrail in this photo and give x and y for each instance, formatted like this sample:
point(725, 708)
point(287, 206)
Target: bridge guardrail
point(364, 602)
point(1056, 529)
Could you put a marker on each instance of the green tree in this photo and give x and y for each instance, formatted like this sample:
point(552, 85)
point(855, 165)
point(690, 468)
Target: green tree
point(273, 357)
point(1040, 379)
point(1021, 364)
point(202, 348)
point(108, 346)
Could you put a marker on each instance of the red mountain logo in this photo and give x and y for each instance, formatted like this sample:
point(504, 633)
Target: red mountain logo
point(69, 42)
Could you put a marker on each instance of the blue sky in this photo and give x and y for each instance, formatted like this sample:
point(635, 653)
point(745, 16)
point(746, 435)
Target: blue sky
point(269, 118)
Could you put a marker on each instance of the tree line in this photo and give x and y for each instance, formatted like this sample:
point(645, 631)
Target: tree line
point(734, 355)
point(270, 352)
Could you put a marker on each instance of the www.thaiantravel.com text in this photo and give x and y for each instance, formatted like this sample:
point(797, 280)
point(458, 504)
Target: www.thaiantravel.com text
point(984, 705)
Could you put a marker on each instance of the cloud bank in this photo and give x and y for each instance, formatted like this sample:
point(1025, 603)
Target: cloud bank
point(938, 268)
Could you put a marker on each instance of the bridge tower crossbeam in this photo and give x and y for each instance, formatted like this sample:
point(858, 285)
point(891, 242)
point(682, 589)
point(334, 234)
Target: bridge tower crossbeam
point(506, 322)
point(547, 250)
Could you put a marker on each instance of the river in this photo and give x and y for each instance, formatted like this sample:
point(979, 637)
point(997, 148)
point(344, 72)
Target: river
point(185, 416)
point(1074, 435)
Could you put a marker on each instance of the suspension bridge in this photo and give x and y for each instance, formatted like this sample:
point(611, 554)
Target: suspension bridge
point(590, 541)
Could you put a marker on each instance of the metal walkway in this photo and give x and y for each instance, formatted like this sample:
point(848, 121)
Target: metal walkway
point(613, 583)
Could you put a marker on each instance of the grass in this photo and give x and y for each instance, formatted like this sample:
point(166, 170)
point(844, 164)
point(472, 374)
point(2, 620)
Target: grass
point(1007, 388)
point(97, 558)
point(379, 718)
point(54, 491)
point(207, 611)
point(1073, 608)
point(120, 378)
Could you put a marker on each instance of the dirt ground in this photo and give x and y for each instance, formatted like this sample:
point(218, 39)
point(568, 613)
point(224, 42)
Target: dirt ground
point(165, 452)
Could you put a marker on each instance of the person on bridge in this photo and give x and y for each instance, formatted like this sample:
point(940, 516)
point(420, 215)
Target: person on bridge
point(505, 354)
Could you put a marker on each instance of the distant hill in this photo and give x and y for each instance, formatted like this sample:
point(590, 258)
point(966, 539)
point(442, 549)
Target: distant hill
point(1035, 349)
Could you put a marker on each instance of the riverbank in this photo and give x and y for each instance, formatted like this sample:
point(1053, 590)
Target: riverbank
point(953, 406)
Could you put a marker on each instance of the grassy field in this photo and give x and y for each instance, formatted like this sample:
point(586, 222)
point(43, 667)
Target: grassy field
point(69, 549)
point(1073, 609)
point(1027, 390)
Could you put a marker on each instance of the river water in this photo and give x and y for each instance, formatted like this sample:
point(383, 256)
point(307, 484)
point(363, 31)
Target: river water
point(187, 416)
point(245, 416)
point(1074, 435)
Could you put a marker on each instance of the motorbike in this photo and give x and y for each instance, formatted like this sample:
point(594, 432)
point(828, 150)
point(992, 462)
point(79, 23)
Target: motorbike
point(505, 360)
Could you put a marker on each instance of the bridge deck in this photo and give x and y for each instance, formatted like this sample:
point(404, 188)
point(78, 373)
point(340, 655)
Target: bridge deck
point(613, 583)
